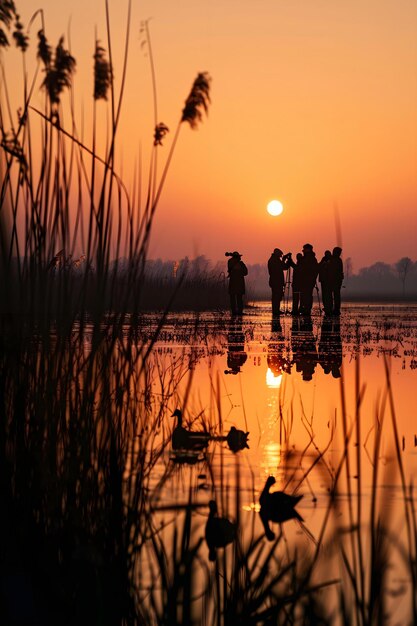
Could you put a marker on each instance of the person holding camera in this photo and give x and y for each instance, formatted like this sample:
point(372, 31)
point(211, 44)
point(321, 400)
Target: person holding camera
point(237, 271)
point(277, 264)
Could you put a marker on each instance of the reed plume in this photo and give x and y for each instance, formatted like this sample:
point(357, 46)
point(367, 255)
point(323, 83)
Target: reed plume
point(44, 50)
point(7, 13)
point(102, 73)
point(83, 430)
point(159, 134)
point(197, 101)
point(59, 73)
point(21, 40)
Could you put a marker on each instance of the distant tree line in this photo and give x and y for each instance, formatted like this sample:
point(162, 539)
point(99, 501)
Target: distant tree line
point(397, 280)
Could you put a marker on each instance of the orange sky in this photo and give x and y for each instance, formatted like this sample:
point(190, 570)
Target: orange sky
point(313, 103)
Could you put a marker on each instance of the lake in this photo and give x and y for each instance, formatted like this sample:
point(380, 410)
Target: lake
point(280, 492)
point(329, 407)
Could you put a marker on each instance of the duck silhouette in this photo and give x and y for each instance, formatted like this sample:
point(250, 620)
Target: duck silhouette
point(276, 507)
point(237, 439)
point(219, 531)
point(183, 439)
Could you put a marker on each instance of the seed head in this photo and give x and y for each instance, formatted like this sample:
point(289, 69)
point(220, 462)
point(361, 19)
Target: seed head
point(3, 39)
point(7, 13)
point(102, 73)
point(21, 40)
point(159, 134)
point(58, 75)
point(197, 101)
point(44, 49)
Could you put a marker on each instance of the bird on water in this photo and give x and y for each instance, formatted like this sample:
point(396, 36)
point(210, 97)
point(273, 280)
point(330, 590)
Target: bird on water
point(183, 439)
point(276, 507)
point(220, 531)
point(237, 439)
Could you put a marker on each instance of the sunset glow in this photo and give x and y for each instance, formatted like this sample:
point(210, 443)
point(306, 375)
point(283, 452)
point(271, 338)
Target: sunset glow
point(315, 104)
point(208, 321)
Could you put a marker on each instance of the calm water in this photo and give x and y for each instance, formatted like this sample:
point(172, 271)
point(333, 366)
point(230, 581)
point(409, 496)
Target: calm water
point(286, 381)
point(294, 385)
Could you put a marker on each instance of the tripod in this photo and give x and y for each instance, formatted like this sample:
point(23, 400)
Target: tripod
point(318, 297)
point(287, 291)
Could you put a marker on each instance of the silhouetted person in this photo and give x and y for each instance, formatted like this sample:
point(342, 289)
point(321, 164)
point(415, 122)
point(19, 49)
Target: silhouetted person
point(303, 346)
point(277, 264)
point(330, 347)
point(324, 278)
point(336, 279)
point(236, 355)
point(309, 269)
point(237, 271)
point(296, 283)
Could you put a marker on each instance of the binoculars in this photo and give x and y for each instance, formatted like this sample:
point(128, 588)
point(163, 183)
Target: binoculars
point(232, 254)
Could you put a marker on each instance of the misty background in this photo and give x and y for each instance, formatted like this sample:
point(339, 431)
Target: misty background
point(379, 280)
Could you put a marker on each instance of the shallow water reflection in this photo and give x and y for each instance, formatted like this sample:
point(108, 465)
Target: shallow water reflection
point(289, 381)
point(327, 403)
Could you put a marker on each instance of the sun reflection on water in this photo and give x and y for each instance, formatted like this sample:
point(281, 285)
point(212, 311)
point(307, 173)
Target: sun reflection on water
point(273, 381)
point(253, 506)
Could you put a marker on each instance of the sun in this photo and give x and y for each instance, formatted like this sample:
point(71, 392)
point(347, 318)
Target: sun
point(275, 208)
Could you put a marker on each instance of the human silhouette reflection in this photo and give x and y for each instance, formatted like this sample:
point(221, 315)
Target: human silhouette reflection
point(330, 346)
point(236, 355)
point(277, 362)
point(303, 346)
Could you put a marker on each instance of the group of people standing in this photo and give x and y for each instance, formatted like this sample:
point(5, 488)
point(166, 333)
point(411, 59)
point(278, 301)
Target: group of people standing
point(305, 271)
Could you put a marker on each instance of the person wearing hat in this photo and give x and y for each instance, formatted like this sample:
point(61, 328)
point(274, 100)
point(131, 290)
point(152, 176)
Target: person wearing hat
point(237, 271)
point(309, 268)
point(276, 267)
